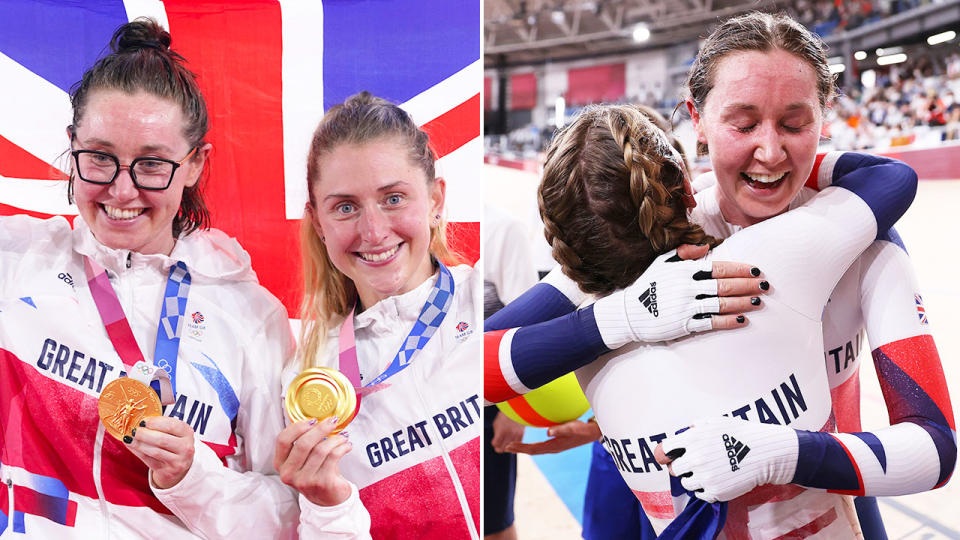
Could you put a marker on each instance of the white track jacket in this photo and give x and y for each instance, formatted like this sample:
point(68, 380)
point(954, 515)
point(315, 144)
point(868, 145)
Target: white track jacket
point(63, 477)
point(416, 439)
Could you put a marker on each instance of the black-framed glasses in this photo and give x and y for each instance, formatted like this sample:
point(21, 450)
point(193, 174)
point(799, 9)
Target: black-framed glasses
point(150, 173)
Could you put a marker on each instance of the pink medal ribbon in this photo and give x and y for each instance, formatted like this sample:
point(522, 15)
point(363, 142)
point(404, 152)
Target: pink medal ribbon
point(347, 346)
point(432, 314)
point(119, 332)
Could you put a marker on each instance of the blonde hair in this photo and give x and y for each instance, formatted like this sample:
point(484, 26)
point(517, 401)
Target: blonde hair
point(611, 197)
point(328, 294)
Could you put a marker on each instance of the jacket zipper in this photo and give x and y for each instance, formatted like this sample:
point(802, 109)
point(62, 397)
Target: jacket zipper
point(98, 481)
point(97, 465)
point(9, 482)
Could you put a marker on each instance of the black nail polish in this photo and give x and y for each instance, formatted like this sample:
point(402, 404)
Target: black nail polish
point(741, 319)
point(701, 275)
point(127, 439)
point(754, 271)
point(765, 285)
point(676, 452)
point(755, 300)
point(143, 423)
point(703, 316)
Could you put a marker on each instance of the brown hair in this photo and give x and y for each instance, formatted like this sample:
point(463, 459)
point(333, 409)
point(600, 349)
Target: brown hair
point(141, 60)
point(611, 198)
point(756, 31)
point(667, 129)
point(328, 293)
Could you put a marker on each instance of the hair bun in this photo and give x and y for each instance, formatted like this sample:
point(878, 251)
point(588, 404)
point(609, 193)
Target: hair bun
point(366, 99)
point(141, 33)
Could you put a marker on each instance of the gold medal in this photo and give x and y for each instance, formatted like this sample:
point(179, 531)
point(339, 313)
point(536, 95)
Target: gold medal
point(320, 393)
point(123, 403)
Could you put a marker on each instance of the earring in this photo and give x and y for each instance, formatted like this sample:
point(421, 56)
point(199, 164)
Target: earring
point(323, 239)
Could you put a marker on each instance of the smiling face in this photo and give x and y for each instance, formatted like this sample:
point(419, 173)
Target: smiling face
point(762, 121)
point(374, 209)
point(131, 126)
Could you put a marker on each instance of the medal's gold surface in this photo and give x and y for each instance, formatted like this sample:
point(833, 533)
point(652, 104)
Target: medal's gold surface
point(123, 403)
point(321, 393)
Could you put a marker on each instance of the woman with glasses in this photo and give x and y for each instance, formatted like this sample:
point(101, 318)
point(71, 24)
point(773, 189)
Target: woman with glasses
point(139, 358)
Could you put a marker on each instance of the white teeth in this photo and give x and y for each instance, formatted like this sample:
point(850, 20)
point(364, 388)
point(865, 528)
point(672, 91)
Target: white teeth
point(765, 178)
point(122, 213)
point(378, 257)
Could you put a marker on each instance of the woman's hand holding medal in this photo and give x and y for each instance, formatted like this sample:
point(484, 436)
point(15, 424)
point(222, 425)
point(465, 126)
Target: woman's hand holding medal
point(129, 408)
point(165, 445)
point(320, 403)
point(308, 458)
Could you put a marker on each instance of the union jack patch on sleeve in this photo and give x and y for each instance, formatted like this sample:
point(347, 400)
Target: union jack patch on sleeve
point(921, 311)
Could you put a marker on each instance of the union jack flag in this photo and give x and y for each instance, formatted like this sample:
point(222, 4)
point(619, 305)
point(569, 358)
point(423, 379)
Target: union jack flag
point(921, 311)
point(462, 326)
point(197, 317)
point(268, 70)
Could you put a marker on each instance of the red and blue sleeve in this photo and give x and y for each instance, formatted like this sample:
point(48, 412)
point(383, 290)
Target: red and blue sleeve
point(537, 338)
point(517, 360)
point(887, 185)
point(918, 451)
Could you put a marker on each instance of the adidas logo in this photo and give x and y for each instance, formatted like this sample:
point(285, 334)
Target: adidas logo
point(66, 278)
point(736, 451)
point(649, 299)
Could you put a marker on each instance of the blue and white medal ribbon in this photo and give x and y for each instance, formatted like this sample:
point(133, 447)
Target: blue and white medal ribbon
point(432, 313)
point(431, 316)
point(172, 314)
point(163, 370)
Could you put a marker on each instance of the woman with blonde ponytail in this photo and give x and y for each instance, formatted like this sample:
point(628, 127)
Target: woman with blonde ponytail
point(381, 306)
point(328, 292)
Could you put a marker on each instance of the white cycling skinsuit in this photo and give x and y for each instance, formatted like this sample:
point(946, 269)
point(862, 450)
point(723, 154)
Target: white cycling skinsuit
point(660, 502)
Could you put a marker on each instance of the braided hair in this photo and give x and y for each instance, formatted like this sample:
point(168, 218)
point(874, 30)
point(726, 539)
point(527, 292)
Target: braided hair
point(611, 197)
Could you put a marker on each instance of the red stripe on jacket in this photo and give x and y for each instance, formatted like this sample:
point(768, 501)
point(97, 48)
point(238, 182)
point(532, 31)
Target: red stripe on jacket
point(420, 502)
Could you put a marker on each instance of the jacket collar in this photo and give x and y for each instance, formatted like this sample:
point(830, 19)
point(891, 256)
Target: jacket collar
point(708, 207)
point(208, 254)
point(399, 308)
